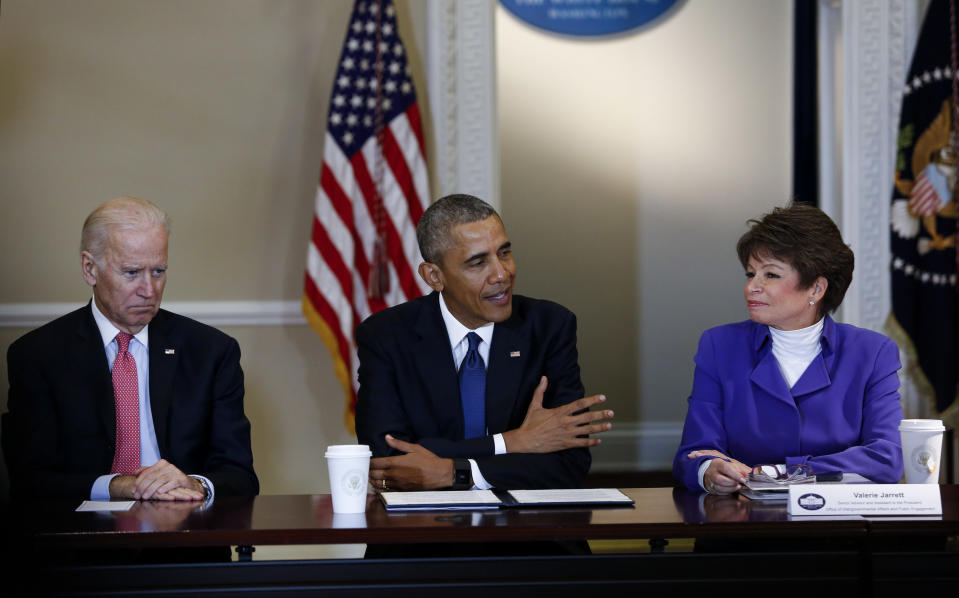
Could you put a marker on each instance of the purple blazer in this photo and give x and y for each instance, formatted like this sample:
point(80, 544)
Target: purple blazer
point(842, 414)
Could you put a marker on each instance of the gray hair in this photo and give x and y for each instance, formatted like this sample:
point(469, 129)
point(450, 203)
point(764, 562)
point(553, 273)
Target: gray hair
point(124, 213)
point(434, 231)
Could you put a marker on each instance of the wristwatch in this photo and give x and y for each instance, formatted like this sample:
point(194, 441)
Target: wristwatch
point(462, 475)
point(207, 491)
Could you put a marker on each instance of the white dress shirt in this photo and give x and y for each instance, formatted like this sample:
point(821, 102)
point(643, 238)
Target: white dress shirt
point(140, 350)
point(460, 346)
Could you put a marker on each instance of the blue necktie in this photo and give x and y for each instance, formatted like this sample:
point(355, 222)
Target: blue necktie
point(473, 390)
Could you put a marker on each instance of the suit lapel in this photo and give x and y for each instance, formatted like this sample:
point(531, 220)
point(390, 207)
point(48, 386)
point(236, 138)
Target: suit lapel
point(816, 377)
point(507, 360)
point(93, 358)
point(766, 375)
point(163, 366)
point(433, 360)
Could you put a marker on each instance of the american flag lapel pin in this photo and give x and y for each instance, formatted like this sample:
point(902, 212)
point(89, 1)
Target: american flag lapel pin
point(514, 353)
point(169, 351)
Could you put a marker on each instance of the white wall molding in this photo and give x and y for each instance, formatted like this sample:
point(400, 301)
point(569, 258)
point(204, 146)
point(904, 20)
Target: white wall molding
point(214, 313)
point(638, 446)
point(878, 36)
point(878, 39)
point(460, 63)
point(441, 86)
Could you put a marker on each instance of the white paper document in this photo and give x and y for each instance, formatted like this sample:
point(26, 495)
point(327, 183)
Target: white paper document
point(441, 500)
point(447, 500)
point(106, 505)
point(571, 496)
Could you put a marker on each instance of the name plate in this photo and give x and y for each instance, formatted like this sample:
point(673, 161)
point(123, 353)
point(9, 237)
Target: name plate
point(864, 499)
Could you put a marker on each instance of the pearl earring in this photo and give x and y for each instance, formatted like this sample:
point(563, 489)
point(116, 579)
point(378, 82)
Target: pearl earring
point(812, 302)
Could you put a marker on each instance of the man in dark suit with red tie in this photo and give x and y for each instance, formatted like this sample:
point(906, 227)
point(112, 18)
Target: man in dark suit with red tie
point(472, 386)
point(122, 399)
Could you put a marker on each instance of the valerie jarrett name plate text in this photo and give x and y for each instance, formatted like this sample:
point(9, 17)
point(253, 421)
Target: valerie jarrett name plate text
point(864, 499)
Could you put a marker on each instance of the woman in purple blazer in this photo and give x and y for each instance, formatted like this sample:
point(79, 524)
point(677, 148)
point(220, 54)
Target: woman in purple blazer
point(791, 386)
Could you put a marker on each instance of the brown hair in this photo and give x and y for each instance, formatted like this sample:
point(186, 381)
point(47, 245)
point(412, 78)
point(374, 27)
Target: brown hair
point(807, 239)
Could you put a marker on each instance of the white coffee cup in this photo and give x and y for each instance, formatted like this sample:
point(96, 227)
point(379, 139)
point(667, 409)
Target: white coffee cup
point(921, 448)
point(349, 520)
point(349, 466)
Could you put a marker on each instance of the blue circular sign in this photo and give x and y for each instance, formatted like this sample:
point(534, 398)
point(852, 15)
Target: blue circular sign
point(587, 17)
point(811, 501)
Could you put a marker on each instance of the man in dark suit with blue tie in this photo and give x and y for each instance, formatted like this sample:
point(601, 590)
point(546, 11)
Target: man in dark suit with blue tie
point(122, 399)
point(472, 386)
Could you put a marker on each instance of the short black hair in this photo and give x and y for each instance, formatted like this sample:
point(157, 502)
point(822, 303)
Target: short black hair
point(433, 233)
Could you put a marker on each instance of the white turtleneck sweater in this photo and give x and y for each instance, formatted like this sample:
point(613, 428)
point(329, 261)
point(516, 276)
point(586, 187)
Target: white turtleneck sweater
point(794, 350)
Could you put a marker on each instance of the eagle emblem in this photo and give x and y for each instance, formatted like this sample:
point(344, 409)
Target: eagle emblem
point(930, 193)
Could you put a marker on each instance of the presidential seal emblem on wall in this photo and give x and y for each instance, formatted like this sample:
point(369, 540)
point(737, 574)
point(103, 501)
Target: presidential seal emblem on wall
point(591, 18)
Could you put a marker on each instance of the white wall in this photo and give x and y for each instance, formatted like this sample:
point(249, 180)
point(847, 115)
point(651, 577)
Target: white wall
point(629, 168)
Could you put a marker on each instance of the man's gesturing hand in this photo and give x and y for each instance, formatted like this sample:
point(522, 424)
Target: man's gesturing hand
point(418, 469)
point(550, 430)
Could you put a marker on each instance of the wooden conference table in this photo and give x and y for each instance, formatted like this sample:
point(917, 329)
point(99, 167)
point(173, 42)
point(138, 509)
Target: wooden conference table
point(751, 542)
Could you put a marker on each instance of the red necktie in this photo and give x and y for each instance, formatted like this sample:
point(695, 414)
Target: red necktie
point(126, 459)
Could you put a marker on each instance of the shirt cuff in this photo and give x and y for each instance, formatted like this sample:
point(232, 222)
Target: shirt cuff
point(101, 487)
point(207, 484)
point(702, 472)
point(479, 482)
point(499, 445)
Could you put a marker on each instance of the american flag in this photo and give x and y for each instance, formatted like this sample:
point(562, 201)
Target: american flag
point(373, 188)
point(928, 192)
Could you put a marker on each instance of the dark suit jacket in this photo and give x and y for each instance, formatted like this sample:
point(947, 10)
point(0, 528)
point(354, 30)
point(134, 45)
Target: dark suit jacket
point(409, 387)
point(59, 434)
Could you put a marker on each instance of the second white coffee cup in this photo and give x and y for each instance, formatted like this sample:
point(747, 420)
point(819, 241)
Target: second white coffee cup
point(349, 466)
point(921, 448)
